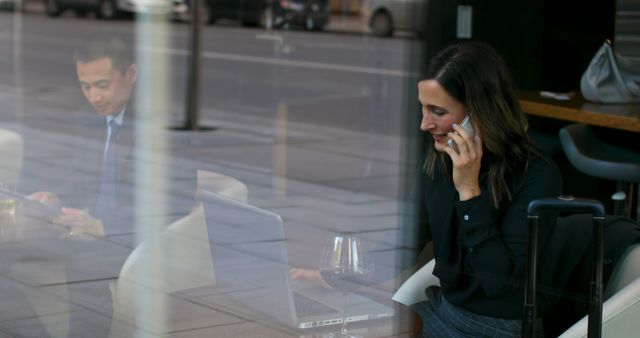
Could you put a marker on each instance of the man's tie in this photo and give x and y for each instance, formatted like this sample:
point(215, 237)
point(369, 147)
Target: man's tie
point(107, 203)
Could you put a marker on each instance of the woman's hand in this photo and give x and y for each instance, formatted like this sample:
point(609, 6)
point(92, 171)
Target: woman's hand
point(310, 276)
point(466, 162)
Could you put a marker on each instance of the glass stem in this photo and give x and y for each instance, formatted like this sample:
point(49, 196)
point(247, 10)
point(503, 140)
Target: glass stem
point(344, 331)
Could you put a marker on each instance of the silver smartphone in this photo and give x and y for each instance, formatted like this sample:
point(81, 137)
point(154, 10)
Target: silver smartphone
point(468, 126)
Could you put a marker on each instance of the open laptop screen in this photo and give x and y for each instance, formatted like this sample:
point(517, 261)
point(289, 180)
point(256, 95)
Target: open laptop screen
point(249, 256)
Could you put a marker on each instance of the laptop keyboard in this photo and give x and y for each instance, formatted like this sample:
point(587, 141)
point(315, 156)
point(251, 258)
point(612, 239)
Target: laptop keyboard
point(306, 306)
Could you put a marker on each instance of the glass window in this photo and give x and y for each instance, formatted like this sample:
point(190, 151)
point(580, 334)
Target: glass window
point(164, 178)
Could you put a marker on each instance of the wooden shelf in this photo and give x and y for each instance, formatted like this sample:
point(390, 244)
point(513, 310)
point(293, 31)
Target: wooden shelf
point(617, 116)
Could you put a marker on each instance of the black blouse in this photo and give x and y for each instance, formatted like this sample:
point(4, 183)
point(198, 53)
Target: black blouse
point(480, 250)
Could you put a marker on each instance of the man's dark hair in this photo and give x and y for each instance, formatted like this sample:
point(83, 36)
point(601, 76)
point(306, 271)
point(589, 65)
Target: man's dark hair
point(112, 47)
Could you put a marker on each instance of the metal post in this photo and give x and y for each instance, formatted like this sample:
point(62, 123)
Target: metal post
point(193, 77)
point(192, 104)
point(595, 294)
point(529, 324)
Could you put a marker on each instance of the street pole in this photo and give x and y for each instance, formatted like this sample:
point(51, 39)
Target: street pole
point(193, 84)
point(193, 72)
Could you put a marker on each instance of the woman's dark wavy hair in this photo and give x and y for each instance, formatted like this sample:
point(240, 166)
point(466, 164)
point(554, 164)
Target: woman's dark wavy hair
point(476, 76)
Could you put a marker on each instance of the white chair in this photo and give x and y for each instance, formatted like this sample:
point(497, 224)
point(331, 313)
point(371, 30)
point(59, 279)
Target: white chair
point(620, 311)
point(187, 264)
point(412, 290)
point(11, 150)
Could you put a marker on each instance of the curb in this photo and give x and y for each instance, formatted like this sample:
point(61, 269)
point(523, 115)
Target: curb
point(348, 24)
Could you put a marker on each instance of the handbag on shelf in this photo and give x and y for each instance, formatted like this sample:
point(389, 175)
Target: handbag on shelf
point(611, 77)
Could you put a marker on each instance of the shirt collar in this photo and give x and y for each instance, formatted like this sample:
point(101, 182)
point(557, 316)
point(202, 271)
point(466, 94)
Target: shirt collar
point(118, 118)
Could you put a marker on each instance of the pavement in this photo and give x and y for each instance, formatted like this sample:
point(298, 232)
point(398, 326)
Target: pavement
point(348, 24)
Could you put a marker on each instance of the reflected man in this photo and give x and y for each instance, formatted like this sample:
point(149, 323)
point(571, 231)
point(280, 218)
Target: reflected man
point(99, 200)
point(107, 75)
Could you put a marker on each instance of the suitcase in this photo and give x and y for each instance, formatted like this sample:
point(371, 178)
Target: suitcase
point(565, 204)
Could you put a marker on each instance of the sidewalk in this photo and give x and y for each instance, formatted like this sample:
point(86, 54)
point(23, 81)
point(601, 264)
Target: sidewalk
point(347, 24)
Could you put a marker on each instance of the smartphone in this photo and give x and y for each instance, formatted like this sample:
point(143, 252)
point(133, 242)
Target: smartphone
point(468, 126)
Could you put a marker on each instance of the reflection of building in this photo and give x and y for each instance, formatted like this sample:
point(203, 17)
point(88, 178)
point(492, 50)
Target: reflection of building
point(345, 6)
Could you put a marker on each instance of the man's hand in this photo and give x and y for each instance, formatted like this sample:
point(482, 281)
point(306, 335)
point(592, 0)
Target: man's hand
point(44, 197)
point(47, 198)
point(81, 224)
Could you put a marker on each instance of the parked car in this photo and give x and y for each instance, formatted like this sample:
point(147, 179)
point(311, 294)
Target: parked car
point(311, 14)
point(9, 4)
point(106, 9)
point(386, 16)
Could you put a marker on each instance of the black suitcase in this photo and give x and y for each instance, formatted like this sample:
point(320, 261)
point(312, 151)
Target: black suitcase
point(564, 204)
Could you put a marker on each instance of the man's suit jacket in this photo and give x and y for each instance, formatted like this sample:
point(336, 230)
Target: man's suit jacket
point(82, 186)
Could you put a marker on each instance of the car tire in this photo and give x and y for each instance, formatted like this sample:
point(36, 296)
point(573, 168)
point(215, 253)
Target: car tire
point(206, 15)
point(381, 24)
point(312, 25)
point(309, 24)
point(211, 20)
point(52, 8)
point(20, 7)
point(267, 18)
point(80, 13)
point(107, 10)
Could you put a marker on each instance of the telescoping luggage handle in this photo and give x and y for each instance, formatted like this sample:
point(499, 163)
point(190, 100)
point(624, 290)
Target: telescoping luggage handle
point(572, 205)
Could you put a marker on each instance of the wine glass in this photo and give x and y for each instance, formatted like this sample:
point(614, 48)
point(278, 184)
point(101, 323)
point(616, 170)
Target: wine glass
point(345, 266)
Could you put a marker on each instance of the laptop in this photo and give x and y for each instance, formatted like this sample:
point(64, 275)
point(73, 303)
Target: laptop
point(251, 267)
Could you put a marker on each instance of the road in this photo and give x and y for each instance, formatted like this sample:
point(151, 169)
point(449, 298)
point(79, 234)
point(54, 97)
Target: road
point(349, 81)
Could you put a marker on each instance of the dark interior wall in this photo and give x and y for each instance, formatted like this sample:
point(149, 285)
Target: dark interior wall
point(515, 29)
point(547, 43)
point(573, 32)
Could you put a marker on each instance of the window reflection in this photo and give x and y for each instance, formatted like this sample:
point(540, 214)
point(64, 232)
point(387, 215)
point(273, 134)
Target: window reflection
point(309, 121)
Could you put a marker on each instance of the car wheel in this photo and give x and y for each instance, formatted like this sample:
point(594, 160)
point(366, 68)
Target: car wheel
point(52, 8)
point(107, 10)
point(211, 19)
point(267, 18)
point(81, 13)
point(20, 7)
point(381, 24)
point(206, 16)
point(309, 24)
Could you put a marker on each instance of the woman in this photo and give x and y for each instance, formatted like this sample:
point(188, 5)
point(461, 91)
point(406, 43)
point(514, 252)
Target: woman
point(477, 190)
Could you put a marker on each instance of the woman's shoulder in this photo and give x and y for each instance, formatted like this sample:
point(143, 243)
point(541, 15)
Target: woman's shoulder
point(542, 171)
point(542, 164)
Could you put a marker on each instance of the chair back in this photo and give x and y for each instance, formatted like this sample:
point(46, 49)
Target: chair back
point(625, 272)
point(621, 310)
point(11, 150)
point(187, 264)
point(412, 290)
point(591, 156)
point(221, 184)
